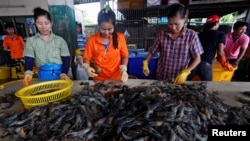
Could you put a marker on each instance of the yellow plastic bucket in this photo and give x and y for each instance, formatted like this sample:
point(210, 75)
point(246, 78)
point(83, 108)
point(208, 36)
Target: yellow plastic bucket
point(20, 75)
point(13, 72)
point(4, 72)
point(221, 74)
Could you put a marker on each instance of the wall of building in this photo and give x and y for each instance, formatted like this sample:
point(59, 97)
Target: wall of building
point(21, 7)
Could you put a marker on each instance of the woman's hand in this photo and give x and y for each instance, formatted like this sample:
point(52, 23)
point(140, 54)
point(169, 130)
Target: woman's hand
point(63, 76)
point(124, 74)
point(90, 71)
point(27, 78)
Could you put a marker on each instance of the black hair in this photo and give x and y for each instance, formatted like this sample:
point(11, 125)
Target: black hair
point(107, 15)
point(80, 25)
point(9, 25)
point(41, 12)
point(239, 24)
point(208, 26)
point(175, 9)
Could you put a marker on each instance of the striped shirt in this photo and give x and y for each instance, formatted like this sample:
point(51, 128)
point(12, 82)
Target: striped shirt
point(175, 54)
point(81, 41)
point(46, 52)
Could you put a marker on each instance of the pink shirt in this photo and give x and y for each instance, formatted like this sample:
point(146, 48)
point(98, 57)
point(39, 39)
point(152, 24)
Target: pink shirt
point(232, 48)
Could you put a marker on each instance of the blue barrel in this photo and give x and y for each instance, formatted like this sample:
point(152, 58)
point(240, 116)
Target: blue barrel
point(49, 72)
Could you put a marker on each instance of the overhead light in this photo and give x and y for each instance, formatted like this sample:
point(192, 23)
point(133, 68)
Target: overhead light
point(12, 6)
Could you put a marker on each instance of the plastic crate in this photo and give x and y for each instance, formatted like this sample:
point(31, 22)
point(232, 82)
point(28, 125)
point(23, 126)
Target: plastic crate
point(44, 92)
point(221, 74)
point(135, 66)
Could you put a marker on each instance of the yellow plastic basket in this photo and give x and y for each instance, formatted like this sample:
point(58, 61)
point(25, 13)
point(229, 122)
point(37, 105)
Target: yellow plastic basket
point(44, 92)
point(221, 74)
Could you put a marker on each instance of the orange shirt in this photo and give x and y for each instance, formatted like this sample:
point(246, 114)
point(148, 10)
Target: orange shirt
point(109, 61)
point(16, 46)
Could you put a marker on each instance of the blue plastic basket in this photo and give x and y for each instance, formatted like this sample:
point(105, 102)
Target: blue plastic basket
point(135, 65)
point(49, 72)
point(134, 52)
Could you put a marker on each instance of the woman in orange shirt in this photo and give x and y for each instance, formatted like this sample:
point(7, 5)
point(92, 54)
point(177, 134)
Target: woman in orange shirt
point(106, 53)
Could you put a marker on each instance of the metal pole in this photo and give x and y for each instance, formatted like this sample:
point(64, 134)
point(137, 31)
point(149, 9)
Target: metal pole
point(14, 23)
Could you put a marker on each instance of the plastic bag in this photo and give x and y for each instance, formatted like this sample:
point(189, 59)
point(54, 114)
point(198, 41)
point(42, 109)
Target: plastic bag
point(127, 35)
point(80, 71)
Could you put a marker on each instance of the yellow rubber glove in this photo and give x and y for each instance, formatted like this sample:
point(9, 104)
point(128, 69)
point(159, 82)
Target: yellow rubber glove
point(63, 76)
point(27, 78)
point(181, 78)
point(78, 52)
point(145, 68)
point(89, 70)
point(124, 74)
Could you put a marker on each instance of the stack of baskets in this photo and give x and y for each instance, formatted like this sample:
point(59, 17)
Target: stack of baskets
point(44, 92)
